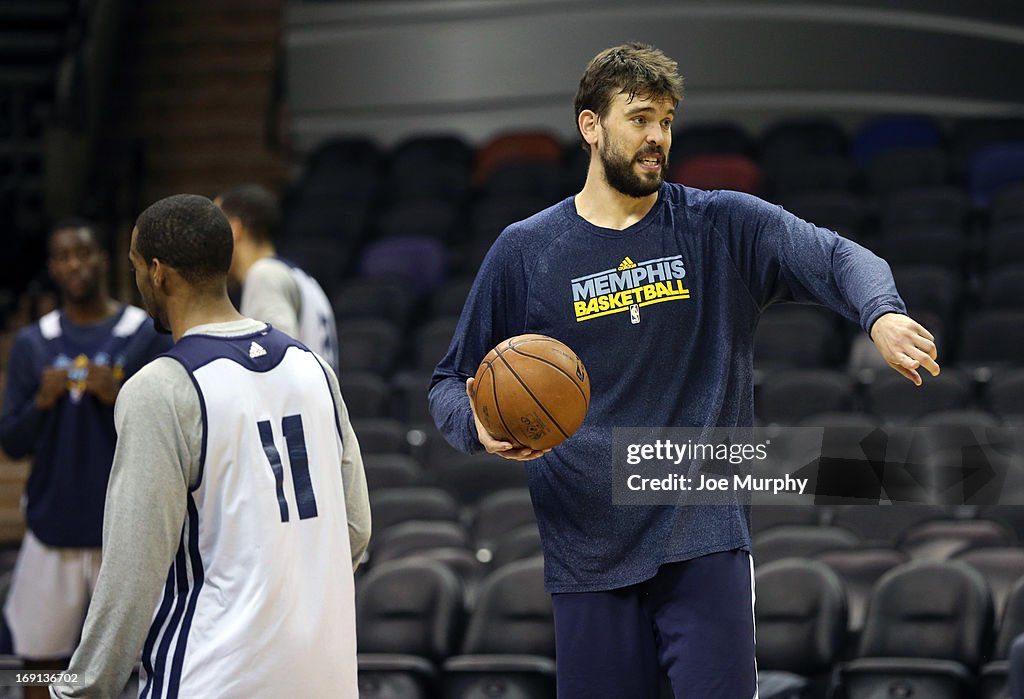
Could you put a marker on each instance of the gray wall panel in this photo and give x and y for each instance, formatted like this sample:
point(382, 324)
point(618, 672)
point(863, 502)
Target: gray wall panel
point(389, 69)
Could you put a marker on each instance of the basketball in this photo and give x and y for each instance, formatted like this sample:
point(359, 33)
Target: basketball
point(531, 390)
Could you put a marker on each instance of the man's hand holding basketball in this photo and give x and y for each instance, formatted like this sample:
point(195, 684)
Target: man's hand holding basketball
point(906, 345)
point(504, 449)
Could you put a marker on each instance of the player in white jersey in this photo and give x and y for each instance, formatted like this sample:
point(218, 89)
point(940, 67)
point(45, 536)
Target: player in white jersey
point(275, 290)
point(237, 506)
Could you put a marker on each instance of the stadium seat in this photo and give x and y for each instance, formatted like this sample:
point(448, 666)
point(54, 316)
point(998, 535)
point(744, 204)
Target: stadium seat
point(1005, 396)
point(497, 514)
point(991, 339)
point(408, 614)
point(995, 672)
point(432, 167)
point(787, 397)
point(343, 168)
point(324, 260)
point(972, 135)
point(883, 525)
point(509, 645)
point(840, 211)
point(906, 168)
point(798, 136)
point(432, 340)
point(421, 261)
point(931, 289)
point(540, 179)
point(944, 205)
point(469, 478)
point(1007, 205)
point(710, 138)
point(324, 218)
point(393, 506)
point(766, 516)
point(820, 343)
point(896, 400)
point(859, 569)
point(792, 541)
point(391, 300)
point(733, 172)
point(1003, 288)
point(515, 147)
point(409, 396)
point(368, 344)
point(994, 167)
point(941, 539)
point(449, 298)
point(1001, 566)
point(391, 471)
point(366, 394)
point(882, 134)
point(428, 217)
point(927, 629)
point(415, 536)
point(925, 244)
point(517, 544)
point(801, 618)
point(808, 173)
point(1004, 245)
point(381, 435)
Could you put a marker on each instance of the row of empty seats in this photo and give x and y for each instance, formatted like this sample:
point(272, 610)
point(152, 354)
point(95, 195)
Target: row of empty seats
point(929, 628)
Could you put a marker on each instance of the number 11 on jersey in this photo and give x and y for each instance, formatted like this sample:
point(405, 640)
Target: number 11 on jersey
point(294, 438)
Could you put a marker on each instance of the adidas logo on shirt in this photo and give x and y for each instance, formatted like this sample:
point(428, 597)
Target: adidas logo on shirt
point(256, 351)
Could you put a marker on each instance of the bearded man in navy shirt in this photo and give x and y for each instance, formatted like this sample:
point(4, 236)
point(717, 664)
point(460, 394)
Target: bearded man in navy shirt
point(639, 591)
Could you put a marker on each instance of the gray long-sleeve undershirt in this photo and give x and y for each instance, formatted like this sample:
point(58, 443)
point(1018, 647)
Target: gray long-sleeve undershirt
point(159, 426)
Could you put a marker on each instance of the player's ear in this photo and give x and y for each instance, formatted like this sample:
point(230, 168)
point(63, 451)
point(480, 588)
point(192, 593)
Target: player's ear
point(158, 273)
point(588, 122)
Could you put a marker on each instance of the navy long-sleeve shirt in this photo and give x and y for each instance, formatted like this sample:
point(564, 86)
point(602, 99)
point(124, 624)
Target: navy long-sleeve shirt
point(72, 445)
point(663, 315)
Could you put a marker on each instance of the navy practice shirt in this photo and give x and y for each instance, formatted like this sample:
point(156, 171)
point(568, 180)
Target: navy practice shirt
point(699, 267)
point(73, 444)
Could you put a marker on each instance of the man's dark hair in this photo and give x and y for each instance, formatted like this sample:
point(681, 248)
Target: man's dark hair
point(256, 207)
point(634, 69)
point(189, 233)
point(76, 223)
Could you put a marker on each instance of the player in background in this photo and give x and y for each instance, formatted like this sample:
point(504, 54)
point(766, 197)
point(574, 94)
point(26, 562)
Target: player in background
point(237, 508)
point(275, 290)
point(658, 288)
point(63, 376)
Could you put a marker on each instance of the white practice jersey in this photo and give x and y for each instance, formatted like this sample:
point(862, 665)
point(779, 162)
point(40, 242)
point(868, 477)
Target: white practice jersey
point(259, 602)
point(316, 318)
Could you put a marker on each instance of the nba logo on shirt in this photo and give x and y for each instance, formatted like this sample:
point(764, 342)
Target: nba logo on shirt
point(634, 313)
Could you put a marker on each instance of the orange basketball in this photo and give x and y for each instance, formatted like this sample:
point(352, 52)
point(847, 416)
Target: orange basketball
point(531, 390)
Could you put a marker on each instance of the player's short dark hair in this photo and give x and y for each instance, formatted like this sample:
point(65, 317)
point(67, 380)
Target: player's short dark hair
point(256, 207)
point(634, 69)
point(77, 223)
point(189, 233)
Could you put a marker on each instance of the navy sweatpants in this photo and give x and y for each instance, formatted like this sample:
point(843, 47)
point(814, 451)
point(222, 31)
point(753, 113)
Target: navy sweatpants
point(694, 620)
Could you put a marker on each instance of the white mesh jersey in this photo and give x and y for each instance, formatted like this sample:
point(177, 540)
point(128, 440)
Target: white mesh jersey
point(317, 329)
point(259, 601)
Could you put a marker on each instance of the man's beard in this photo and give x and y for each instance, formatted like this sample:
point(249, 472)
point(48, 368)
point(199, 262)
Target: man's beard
point(619, 172)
